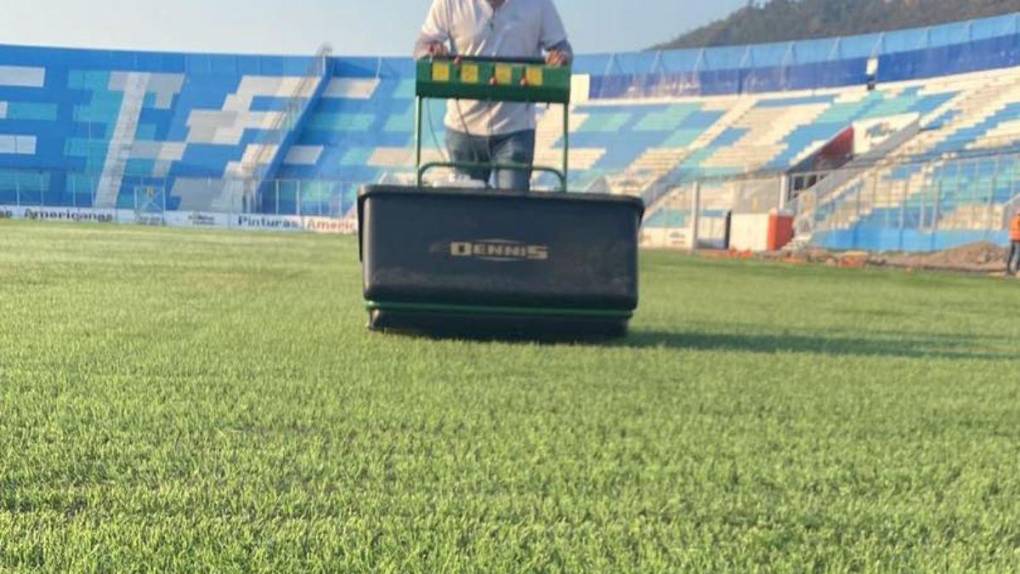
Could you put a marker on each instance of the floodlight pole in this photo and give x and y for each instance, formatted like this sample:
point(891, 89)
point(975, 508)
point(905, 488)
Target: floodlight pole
point(784, 191)
point(695, 215)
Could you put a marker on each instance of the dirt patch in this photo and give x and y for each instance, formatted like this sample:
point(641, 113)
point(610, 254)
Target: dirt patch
point(981, 257)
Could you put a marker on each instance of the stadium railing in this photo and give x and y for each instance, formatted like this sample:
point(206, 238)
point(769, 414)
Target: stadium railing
point(897, 204)
point(906, 205)
point(60, 189)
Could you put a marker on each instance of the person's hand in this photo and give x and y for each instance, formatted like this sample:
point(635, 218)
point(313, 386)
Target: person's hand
point(438, 50)
point(557, 58)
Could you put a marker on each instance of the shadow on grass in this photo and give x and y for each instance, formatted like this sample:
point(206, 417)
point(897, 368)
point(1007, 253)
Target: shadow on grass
point(833, 343)
point(899, 345)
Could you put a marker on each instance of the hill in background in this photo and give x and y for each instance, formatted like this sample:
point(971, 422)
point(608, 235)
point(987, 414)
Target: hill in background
point(786, 20)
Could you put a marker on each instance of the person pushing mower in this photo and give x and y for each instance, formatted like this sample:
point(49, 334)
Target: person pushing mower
point(484, 132)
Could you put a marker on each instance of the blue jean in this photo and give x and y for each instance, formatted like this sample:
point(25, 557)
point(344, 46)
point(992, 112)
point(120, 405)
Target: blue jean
point(518, 147)
point(1013, 266)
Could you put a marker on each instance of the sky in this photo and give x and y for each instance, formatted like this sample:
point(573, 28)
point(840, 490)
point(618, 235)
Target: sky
point(351, 27)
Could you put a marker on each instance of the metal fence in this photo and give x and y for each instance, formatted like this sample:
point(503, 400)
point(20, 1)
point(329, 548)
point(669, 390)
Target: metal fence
point(908, 206)
point(889, 205)
point(299, 197)
point(242, 195)
point(696, 214)
point(916, 204)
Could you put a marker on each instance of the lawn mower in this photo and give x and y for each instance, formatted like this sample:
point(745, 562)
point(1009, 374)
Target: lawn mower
point(448, 261)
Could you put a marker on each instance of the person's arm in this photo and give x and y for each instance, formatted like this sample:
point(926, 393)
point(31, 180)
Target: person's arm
point(435, 33)
point(554, 37)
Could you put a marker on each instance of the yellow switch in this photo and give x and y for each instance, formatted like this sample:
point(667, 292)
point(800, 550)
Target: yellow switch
point(504, 74)
point(469, 74)
point(440, 72)
point(535, 76)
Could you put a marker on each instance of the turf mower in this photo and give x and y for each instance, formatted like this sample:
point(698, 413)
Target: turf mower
point(480, 263)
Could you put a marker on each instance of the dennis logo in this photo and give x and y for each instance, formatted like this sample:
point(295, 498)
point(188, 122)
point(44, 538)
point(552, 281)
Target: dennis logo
point(499, 250)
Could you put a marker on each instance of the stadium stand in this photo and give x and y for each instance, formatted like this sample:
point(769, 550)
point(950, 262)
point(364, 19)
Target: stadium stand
point(288, 135)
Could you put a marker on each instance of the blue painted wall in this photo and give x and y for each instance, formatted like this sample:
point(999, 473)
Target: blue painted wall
point(75, 124)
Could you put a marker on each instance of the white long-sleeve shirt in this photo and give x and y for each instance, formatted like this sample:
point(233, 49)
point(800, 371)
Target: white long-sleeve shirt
point(517, 29)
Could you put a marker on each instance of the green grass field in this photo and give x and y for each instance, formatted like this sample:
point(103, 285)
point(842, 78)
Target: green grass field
point(211, 402)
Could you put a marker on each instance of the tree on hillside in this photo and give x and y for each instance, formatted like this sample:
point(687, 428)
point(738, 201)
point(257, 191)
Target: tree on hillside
point(785, 20)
